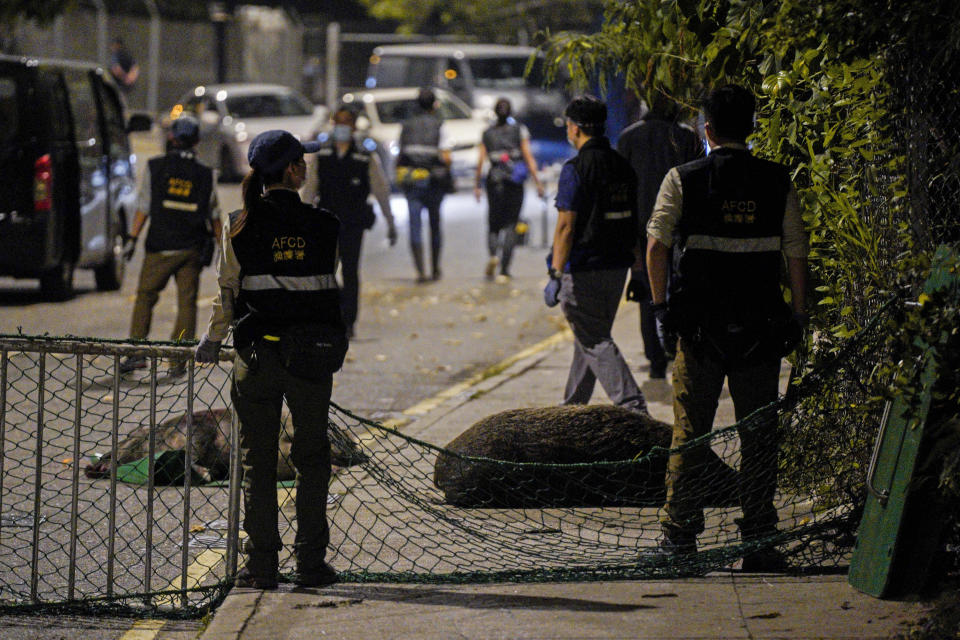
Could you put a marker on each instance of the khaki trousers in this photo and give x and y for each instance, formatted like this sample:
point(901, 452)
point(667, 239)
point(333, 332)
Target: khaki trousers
point(158, 267)
point(697, 383)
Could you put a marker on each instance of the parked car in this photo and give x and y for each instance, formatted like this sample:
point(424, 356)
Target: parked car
point(69, 179)
point(231, 115)
point(480, 74)
point(381, 116)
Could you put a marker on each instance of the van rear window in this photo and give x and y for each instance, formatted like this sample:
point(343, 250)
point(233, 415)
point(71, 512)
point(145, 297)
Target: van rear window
point(399, 71)
point(9, 116)
point(504, 72)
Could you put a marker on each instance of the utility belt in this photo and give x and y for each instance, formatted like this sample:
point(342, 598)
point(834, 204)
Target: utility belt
point(740, 345)
point(421, 177)
point(311, 351)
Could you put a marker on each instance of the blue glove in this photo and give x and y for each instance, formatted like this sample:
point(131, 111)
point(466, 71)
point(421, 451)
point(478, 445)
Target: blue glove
point(551, 293)
point(207, 350)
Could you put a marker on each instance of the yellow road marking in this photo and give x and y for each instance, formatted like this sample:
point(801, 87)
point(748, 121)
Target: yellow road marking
point(429, 404)
point(143, 630)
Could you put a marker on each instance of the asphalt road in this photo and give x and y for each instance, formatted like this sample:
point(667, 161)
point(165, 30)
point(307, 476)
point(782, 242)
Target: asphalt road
point(413, 340)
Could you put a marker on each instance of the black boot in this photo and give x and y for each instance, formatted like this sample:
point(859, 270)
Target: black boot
point(417, 252)
point(260, 571)
point(435, 263)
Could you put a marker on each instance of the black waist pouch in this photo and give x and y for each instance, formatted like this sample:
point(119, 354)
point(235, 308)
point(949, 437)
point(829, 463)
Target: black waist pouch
point(313, 351)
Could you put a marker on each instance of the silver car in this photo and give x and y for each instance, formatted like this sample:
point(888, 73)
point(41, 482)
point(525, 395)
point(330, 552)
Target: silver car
point(231, 115)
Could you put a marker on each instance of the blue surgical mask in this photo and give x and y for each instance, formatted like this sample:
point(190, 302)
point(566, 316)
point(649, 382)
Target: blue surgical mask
point(342, 133)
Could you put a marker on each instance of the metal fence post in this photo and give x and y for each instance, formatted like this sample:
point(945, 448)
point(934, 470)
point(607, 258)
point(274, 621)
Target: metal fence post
point(38, 480)
point(187, 477)
point(233, 509)
point(75, 478)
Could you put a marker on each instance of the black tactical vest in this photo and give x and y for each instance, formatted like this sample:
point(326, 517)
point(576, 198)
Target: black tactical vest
point(420, 142)
point(287, 253)
point(730, 235)
point(344, 183)
point(180, 190)
point(605, 229)
point(502, 142)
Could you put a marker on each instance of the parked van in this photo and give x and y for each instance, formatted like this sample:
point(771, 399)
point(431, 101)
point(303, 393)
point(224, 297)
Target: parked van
point(68, 188)
point(478, 74)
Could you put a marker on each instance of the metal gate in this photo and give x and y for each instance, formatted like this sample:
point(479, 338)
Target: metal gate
point(72, 529)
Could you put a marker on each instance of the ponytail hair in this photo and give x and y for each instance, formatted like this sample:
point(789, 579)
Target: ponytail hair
point(252, 188)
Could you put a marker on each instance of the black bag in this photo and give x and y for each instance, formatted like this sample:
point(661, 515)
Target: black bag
point(207, 249)
point(313, 351)
point(367, 217)
point(442, 179)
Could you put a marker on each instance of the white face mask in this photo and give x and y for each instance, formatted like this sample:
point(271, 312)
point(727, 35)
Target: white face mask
point(342, 133)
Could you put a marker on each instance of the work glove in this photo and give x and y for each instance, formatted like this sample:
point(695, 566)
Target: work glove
point(665, 333)
point(392, 234)
point(129, 246)
point(551, 292)
point(207, 350)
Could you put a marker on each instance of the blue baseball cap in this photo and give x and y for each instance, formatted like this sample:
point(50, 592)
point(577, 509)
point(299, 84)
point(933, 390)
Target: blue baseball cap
point(271, 151)
point(185, 129)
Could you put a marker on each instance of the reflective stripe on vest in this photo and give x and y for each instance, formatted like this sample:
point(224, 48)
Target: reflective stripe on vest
point(267, 282)
point(733, 245)
point(421, 148)
point(180, 206)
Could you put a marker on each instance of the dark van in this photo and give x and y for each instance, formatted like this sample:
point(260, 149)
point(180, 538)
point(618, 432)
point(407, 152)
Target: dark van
point(68, 186)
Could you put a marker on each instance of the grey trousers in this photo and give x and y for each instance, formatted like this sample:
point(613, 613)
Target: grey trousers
point(589, 301)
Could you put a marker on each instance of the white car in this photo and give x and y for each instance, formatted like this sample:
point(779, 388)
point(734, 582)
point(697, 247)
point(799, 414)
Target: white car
point(381, 116)
point(231, 115)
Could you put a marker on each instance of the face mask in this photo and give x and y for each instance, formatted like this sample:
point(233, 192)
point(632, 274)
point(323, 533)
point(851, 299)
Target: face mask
point(342, 133)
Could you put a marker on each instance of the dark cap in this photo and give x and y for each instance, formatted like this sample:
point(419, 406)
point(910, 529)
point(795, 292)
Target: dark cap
point(185, 130)
point(271, 151)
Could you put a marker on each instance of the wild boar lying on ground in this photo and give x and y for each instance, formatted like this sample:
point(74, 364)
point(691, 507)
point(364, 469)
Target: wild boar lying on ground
point(211, 446)
point(568, 435)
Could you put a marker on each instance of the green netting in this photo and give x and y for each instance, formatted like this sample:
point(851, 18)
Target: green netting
point(389, 521)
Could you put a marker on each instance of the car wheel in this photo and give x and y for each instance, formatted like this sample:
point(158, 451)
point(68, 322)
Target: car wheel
point(228, 173)
point(57, 283)
point(109, 275)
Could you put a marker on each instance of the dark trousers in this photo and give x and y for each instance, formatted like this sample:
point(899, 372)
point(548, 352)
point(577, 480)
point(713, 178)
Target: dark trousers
point(351, 242)
point(260, 384)
point(697, 383)
point(505, 200)
point(158, 268)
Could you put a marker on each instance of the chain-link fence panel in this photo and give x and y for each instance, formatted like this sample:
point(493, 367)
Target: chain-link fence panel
point(105, 496)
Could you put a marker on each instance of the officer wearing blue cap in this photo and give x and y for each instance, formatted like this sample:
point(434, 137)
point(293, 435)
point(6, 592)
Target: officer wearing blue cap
point(278, 290)
point(177, 195)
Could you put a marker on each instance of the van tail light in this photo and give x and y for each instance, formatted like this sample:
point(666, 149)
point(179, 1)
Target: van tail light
point(43, 183)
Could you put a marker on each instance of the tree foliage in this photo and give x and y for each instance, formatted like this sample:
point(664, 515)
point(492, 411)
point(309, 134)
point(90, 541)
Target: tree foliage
point(489, 21)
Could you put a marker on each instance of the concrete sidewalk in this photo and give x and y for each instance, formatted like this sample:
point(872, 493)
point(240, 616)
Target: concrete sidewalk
point(722, 605)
